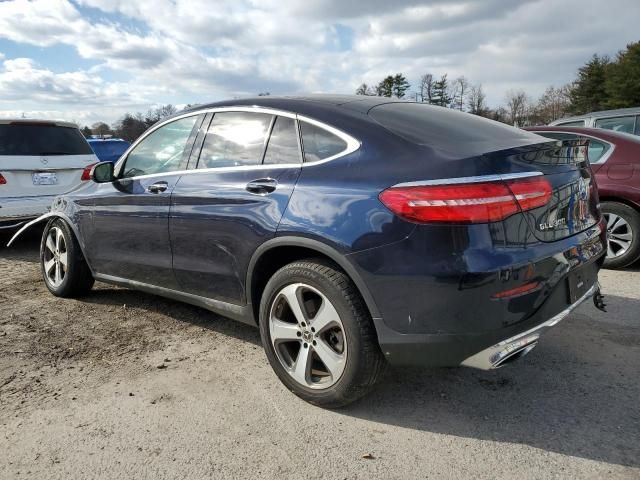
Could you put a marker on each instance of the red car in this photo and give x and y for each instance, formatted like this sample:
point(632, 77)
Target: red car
point(615, 160)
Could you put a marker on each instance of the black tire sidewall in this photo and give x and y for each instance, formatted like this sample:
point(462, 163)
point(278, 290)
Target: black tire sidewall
point(66, 287)
point(341, 390)
point(632, 217)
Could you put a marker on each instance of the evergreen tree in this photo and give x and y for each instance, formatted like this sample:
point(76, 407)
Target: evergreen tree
point(385, 87)
point(588, 93)
point(400, 85)
point(440, 94)
point(622, 84)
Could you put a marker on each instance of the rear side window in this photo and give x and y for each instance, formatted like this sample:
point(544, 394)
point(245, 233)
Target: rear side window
point(42, 139)
point(320, 144)
point(234, 139)
point(617, 124)
point(449, 130)
point(283, 143)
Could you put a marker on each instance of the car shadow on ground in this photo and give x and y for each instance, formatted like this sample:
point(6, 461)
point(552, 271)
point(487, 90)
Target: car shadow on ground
point(575, 394)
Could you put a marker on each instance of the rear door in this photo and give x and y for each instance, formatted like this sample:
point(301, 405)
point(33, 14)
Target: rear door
point(232, 201)
point(128, 231)
point(42, 158)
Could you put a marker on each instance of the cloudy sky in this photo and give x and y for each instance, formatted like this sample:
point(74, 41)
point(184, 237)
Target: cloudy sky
point(89, 60)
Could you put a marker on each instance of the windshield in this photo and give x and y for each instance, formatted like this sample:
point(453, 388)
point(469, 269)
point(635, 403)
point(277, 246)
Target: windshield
point(35, 139)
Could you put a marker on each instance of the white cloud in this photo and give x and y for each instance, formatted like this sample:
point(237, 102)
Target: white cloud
point(195, 50)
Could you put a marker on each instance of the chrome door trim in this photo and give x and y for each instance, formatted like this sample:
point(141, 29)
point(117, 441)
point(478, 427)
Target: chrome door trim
point(352, 143)
point(473, 179)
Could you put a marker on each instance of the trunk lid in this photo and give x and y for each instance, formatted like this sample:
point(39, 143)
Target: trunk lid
point(574, 204)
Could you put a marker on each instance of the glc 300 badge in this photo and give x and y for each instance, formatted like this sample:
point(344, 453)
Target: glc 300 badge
point(560, 222)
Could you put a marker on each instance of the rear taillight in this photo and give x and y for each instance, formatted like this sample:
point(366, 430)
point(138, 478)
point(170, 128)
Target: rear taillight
point(86, 173)
point(3, 181)
point(466, 202)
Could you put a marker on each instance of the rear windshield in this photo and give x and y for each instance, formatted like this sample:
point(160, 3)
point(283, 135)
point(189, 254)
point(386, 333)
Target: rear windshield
point(24, 139)
point(450, 130)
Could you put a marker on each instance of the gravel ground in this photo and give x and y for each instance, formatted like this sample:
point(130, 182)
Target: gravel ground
point(123, 384)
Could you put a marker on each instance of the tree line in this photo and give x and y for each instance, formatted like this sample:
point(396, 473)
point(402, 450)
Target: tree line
point(599, 84)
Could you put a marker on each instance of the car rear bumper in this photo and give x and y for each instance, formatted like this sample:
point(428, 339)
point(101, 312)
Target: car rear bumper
point(439, 308)
point(16, 211)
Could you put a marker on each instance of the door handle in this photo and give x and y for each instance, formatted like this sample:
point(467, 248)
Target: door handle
point(158, 187)
point(262, 186)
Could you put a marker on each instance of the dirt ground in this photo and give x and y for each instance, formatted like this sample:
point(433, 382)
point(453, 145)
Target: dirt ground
point(123, 384)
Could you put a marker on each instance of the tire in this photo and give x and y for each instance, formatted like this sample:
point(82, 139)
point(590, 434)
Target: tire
point(623, 230)
point(350, 336)
point(73, 279)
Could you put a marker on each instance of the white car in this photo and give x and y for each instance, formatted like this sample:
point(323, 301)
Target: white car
point(39, 159)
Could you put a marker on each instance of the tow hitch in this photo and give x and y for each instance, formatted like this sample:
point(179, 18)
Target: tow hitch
point(598, 300)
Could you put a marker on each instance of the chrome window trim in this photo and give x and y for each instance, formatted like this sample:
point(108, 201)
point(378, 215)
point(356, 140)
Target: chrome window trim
point(601, 160)
point(473, 179)
point(352, 143)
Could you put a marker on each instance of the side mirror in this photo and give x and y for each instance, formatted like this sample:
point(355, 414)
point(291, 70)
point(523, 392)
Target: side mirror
point(102, 172)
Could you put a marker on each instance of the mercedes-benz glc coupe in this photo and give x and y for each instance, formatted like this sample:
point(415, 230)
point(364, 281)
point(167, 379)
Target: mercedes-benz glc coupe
point(354, 231)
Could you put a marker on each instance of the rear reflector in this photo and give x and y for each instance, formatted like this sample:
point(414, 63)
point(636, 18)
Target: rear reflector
point(86, 173)
point(3, 181)
point(526, 288)
point(467, 202)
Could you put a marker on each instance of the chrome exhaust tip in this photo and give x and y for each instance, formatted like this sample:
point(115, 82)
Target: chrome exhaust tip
point(514, 355)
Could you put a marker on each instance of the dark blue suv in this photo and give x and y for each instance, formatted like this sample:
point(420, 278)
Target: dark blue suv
point(355, 231)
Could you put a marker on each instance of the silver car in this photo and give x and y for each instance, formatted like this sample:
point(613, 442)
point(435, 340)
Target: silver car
point(625, 120)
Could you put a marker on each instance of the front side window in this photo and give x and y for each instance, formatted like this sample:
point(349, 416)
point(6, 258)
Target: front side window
point(161, 151)
point(234, 139)
point(618, 124)
point(320, 144)
point(283, 143)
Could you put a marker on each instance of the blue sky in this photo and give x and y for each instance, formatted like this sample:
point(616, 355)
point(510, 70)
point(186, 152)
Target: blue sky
point(90, 60)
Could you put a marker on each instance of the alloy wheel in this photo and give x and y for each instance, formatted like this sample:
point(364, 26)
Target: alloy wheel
point(619, 235)
point(55, 259)
point(308, 336)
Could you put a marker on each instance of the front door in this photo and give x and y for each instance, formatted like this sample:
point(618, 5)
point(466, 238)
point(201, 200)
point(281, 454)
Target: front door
point(233, 201)
point(129, 222)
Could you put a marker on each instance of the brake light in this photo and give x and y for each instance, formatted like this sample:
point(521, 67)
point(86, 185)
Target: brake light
point(86, 173)
point(3, 181)
point(466, 202)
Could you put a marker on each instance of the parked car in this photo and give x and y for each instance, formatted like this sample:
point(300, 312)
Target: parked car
point(108, 149)
point(625, 120)
point(615, 161)
point(354, 231)
point(39, 159)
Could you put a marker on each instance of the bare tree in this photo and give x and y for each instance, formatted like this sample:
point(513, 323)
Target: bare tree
point(101, 128)
point(459, 92)
point(517, 102)
point(425, 90)
point(553, 104)
point(477, 101)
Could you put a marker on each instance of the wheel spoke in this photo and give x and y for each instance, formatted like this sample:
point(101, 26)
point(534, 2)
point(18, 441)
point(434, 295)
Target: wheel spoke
point(611, 219)
point(302, 367)
point(290, 293)
point(48, 265)
point(332, 360)
point(623, 245)
point(325, 317)
point(283, 331)
point(610, 252)
point(622, 236)
point(50, 244)
point(63, 260)
point(58, 274)
point(59, 240)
